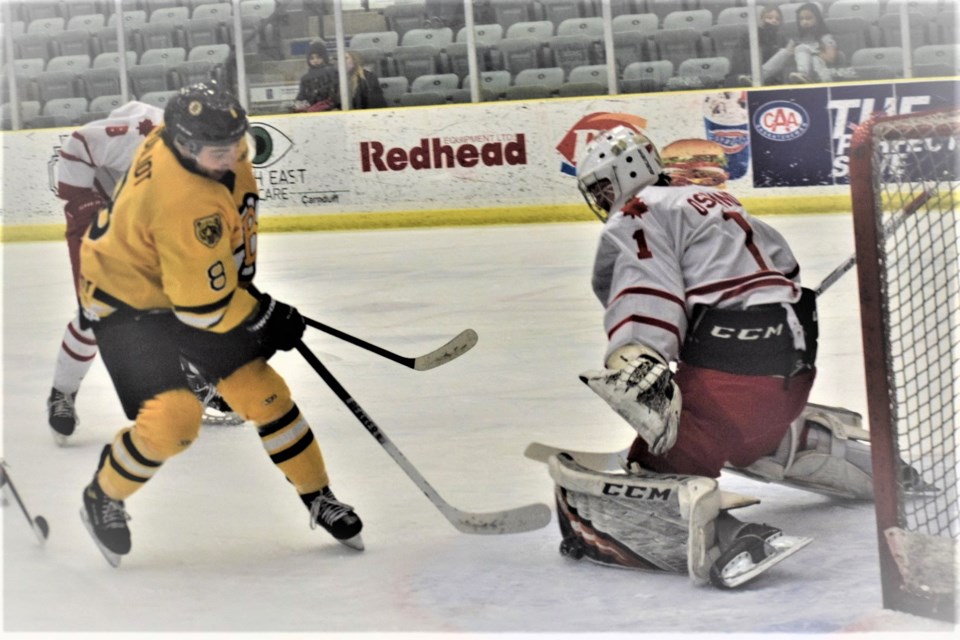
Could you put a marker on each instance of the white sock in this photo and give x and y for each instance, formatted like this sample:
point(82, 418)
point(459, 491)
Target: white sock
point(77, 351)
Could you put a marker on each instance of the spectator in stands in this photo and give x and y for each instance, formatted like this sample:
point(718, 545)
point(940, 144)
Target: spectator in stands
point(319, 86)
point(816, 53)
point(364, 85)
point(776, 52)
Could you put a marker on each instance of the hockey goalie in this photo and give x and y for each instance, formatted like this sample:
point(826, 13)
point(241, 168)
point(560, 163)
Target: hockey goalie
point(711, 355)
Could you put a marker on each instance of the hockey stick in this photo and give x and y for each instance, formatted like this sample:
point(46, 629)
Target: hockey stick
point(899, 218)
point(39, 524)
point(526, 518)
point(456, 347)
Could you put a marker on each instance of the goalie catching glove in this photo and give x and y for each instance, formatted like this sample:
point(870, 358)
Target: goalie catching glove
point(639, 386)
point(276, 326)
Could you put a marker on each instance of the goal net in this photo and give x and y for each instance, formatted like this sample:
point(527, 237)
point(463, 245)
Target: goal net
point(904, 185)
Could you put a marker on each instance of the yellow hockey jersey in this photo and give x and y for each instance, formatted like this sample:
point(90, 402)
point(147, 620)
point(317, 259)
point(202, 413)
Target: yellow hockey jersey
point(174, 240)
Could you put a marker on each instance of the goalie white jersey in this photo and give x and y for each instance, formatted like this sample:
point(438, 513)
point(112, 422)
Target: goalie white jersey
point(97, 155)
point(671, 248)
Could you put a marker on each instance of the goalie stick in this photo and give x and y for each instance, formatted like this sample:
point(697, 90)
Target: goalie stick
point(456, 347)
point(898, 219)
point(526, 518)
point(39, 524)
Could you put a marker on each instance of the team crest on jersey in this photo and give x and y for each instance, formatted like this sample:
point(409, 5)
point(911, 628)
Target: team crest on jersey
point(209, 229)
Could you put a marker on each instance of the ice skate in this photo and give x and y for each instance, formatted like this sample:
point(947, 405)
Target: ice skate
point(337, 518)
point(105, 519)
point(217, 413)
point(61, 415)
point(913, 484)
point(751, 550)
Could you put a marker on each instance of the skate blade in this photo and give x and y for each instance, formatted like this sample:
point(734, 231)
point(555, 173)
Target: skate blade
point(217, 419)
point(60, 439)
point(113, 559)
point(920, 489)
point(784, 546)
point(356, 542)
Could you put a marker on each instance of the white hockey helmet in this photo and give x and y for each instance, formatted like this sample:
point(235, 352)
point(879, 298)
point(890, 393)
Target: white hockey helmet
point(615, 166)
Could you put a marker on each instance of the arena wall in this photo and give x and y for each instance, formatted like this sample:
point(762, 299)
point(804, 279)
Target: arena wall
point(509, 162)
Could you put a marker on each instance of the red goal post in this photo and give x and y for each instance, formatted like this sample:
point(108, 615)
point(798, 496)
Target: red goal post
point(904, 173)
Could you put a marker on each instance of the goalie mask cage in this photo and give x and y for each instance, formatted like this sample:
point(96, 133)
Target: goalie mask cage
point(904, 187)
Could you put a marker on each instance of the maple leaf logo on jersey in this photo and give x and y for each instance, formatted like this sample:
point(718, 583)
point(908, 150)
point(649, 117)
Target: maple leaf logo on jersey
point(145, 126)
point(635, 208)
point(209, 229)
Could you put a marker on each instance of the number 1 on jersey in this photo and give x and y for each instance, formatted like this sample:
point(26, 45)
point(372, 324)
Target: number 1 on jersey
point(642, 251)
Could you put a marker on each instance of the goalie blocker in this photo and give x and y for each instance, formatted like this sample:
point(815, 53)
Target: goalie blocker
point(660, 522)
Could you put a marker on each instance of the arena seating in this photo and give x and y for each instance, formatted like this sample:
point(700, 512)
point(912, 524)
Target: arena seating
point(68, 50)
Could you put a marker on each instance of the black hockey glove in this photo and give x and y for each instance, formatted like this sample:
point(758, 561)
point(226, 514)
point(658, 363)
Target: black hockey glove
point(276, 325)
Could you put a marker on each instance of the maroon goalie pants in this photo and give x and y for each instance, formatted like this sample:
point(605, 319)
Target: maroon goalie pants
point(727, 417)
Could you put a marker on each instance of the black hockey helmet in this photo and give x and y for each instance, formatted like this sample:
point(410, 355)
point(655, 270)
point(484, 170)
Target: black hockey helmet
point(204, 114)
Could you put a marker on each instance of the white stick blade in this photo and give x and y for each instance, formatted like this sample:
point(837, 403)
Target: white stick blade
point(459, 345)
point(528, 518)
point(597, 460)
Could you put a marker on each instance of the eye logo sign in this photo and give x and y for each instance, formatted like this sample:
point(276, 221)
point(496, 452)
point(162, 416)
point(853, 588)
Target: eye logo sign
point(586, 129)
point(271, 144)
point(781, 121)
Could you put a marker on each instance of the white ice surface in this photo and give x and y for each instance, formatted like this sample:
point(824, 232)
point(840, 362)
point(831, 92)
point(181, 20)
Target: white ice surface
point(221, 542)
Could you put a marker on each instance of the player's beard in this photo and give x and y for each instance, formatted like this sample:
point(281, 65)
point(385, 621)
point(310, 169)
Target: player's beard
point(214, 175)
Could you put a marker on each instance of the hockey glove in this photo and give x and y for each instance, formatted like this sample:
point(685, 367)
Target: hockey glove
point(644, 394)
point(81, 210)
point(277, 326)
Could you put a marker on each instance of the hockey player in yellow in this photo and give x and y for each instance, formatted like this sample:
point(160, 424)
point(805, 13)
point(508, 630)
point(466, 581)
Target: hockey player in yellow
point(164, 271)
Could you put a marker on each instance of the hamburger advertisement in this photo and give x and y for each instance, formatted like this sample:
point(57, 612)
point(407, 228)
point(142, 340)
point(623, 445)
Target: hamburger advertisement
point(695, 161)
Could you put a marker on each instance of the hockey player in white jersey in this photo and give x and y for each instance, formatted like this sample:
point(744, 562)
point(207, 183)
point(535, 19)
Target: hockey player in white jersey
point(711, 351)
point(91, 162)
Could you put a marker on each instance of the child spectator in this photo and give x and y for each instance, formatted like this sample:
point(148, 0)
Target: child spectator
point(319, 88)
point(816, 53)
point(776, 52)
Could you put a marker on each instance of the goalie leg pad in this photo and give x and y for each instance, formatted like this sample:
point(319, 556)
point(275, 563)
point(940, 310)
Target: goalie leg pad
point(825, 450)
point(653, 522)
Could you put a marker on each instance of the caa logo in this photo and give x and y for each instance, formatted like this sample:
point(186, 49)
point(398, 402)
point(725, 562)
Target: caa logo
point(781, 121)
